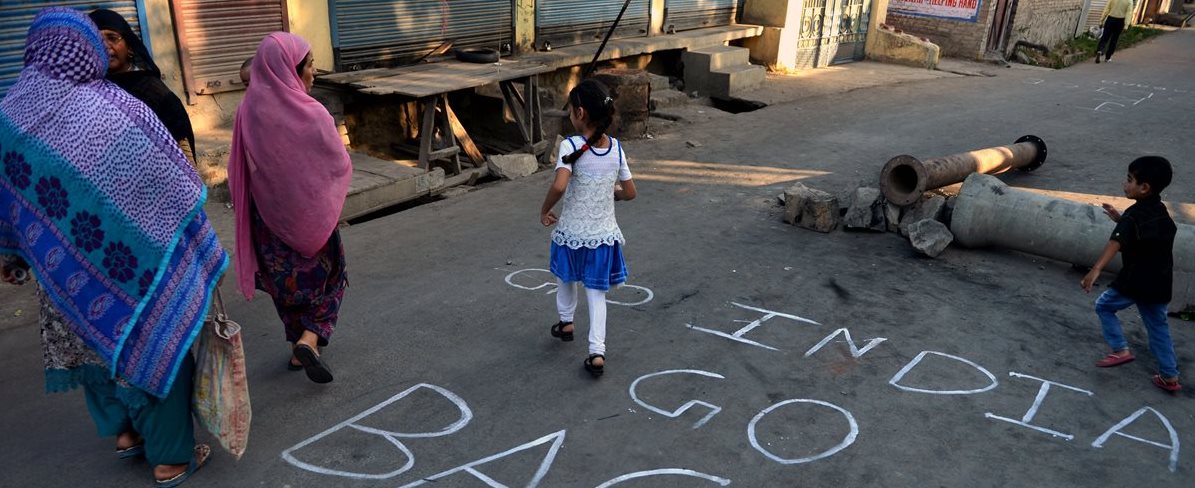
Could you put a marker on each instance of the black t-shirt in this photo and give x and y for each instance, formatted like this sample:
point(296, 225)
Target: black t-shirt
point(1146, 236)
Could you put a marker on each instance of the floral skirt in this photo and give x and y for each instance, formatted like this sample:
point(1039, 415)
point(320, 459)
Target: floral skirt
point(307, 291)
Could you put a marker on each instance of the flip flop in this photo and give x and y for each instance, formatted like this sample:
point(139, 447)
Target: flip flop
point(316, 370)
point(202, 453)
point(1172, 387)
point(131, 452)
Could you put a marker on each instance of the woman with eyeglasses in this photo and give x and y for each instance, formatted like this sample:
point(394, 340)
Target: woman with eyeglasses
point(131, 68)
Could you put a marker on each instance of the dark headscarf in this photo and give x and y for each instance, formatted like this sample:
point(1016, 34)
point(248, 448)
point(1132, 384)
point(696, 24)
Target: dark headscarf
point(145, 80)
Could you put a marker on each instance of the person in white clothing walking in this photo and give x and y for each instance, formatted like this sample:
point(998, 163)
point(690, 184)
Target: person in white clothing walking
point(591, 174)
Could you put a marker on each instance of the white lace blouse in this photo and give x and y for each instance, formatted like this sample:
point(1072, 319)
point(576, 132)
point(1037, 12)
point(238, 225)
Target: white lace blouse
point(587, 219)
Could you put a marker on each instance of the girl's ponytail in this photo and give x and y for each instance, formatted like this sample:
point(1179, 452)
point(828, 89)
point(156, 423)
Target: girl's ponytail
point(592, 96)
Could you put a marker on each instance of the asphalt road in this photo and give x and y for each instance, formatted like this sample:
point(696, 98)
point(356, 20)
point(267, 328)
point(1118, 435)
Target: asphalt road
point(937, 388)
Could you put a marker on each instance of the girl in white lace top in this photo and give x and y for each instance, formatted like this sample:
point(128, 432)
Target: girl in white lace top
point(591, 174)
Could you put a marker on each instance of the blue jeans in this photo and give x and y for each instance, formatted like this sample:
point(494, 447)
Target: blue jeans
point(1154, 317)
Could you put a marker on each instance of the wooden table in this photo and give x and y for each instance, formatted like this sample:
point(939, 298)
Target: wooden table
point(431, 83)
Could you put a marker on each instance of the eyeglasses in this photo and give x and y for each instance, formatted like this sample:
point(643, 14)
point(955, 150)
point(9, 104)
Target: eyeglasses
point(112, 38)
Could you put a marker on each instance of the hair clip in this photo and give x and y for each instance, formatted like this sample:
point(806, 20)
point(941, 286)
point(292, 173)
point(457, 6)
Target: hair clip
point(608, 101)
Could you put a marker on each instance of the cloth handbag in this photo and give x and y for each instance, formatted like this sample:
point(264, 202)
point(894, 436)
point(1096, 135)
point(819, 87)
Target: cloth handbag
point(221, 397)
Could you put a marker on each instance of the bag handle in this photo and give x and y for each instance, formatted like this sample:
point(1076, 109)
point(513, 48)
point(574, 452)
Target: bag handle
point(222, 326)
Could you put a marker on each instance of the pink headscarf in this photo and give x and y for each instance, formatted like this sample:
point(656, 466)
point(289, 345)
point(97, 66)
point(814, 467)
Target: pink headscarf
point(287, 158)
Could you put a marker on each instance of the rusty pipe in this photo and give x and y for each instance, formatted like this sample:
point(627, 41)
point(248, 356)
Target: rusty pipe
point(905, 178)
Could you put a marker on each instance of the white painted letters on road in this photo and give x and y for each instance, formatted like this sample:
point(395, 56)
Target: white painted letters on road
point(900, 375)
point(846, 441)
point(1116, 429)
point(846, 334)
point(737, 336)
point(1041, 396)
point(714, 409)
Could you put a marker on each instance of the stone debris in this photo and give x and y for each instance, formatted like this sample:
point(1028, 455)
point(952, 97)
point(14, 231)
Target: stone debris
point(892, 215)
point(867, 211)
point(810, 209)
point(927, 208)
point(693, 144)
point(930, 237)
point(512, 166)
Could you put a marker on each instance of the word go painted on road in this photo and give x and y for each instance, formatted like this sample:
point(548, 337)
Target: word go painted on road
point(539, 283)
point(899, 378)
point(555, 441)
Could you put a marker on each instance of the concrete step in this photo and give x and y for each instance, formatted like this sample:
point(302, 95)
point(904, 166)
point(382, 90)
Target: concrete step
point(378, 183)
point(735, 81)
point(664, 99)
point(716, 57)
point(659, 83)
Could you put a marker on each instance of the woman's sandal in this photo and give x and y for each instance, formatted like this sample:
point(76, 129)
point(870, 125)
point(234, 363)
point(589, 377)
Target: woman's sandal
point(594, 369)
point(202, 453)
point(1171, 386)
point(134, 451)
point(290, 366)
point(316, 370)
point(558, 331)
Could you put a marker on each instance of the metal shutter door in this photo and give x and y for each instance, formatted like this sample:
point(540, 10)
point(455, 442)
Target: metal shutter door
point(571, 22)
point(217, 36)
point(369, 33)
point(694, 14)
point(15, 22)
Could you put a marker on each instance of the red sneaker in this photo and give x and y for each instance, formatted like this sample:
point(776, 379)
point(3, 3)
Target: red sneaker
point(1113, 359)
point(1168, 385)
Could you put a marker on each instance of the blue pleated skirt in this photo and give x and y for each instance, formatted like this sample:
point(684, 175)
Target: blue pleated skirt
point(597, 269)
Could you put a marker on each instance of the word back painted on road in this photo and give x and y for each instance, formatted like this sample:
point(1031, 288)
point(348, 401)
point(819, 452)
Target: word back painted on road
point(964, 10)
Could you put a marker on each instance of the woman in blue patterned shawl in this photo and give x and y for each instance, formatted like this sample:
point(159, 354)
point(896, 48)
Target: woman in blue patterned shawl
point(99, 204)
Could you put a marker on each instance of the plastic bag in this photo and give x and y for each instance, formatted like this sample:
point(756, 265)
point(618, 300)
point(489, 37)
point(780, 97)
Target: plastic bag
point(1097, 31)
point(220, 401)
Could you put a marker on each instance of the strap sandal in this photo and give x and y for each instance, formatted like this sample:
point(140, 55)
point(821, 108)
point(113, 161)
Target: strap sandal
point(1112, 359)
point(202, 453)
point(1168, 385)
point(293, 367)
point(134, 451)
point(594, 369)
point(558, 331)
point(316, 370)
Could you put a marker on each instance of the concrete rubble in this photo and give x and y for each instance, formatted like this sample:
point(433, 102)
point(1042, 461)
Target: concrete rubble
point(930, 207)
point(867, 211)
point(811, 209)
point(930, 237)
point(512, 166)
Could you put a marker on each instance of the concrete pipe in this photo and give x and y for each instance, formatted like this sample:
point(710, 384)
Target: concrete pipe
point(905, 178)
point(990, 213)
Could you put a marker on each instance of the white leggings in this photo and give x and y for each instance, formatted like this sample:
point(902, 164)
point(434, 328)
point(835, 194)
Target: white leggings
point(566, 304)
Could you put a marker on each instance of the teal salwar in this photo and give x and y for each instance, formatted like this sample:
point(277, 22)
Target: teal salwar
point(164, 423)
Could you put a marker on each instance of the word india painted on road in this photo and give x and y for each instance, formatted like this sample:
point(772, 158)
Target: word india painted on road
point(964, 10)
point(306, 456)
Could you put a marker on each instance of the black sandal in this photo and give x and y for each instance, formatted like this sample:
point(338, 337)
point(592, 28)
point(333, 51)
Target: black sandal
point(558, 331)
point(316, 370)
point(594, 369)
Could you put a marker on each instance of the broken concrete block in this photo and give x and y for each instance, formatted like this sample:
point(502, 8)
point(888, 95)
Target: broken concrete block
point(930, 237)
point(512, 166)
point(892, 215)
point(866, 211)
point(926, 208)
point(810, 209)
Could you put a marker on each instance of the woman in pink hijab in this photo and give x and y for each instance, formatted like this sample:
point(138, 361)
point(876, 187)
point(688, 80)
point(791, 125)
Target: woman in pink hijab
point(289, 174)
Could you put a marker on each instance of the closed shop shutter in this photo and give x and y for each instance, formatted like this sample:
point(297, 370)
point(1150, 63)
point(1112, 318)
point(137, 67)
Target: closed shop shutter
point(372, 33)
point(217, 36)
point(16, 19)
point(693, 14)
point(570, 22)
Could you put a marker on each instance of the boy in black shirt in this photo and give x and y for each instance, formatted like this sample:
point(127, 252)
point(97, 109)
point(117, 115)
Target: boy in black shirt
point(1144, 236)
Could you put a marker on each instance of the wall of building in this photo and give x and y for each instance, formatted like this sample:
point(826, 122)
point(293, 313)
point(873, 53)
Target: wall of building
point(956, 38)
point(1046, 22)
